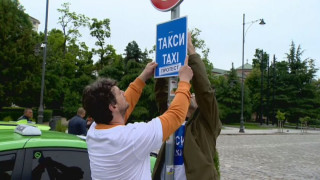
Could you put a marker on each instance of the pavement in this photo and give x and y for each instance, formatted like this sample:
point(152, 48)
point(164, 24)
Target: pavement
point(290, 155)
point(235, 131)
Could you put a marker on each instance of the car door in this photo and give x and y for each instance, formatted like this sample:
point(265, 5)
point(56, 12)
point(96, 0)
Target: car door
point(11, 163)
point(56, 163)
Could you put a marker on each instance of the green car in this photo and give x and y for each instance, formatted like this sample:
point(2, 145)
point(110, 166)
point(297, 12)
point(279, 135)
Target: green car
point(41, 154)
point(26, 152)
point(14, 124)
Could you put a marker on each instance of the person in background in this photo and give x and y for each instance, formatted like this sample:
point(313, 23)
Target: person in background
point(27, 116)
point(122, 151)
point(195, 149)
point(77, 125)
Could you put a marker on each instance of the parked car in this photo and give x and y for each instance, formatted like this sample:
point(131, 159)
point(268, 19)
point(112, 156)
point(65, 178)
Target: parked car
point(48, 155)
point(14, 124)
point(26, 152)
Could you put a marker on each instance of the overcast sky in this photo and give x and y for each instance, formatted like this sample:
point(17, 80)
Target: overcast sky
point(219, 21)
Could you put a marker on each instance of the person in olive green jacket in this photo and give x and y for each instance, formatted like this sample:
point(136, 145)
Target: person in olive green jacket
point(202, 128)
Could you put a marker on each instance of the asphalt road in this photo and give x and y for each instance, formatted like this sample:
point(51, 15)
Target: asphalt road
point(276, 156)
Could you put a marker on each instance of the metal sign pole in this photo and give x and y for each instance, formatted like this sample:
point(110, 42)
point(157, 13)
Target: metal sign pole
point(170, 143)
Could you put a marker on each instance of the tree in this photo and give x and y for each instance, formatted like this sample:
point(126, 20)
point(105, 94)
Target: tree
point(252, 81)
point(301, 73)
point(20, 67)
point(281, 118)
point(292, 86)
point(66, 76)
point(256, 82)
point(114, 70)
point(229, 97)
point(200, 44)
point(101, 31)
point(133, 52)
point(228, 89)
point(70, 23)
point(135, 61)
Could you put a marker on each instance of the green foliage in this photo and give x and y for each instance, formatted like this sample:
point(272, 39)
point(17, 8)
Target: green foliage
point(294, 78)
point(304, 120)
point(70, 67)
point(71, 103)
point(13, 113)
point(60, 127)
point(133, 52)
point(280, 115)
point(7, 118)
point(101, 31)
point(140, 113)
point(196, 41)
point(217, 162)
point(228, 93)
point(285, 81)
point(252, 82)
point(47, 115)
point(66, 76)
point(70, 23)
point(251, 125)
point(200, 44)
point(19, 65)
point(115, 70)
point(135, 61)
point(314, 122)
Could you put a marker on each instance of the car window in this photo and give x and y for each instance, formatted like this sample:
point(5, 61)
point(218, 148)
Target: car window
point(6, 165)
point(60, 164)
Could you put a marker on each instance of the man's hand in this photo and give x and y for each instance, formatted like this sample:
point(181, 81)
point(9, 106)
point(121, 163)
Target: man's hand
point(185, 72)
point(148, 71)
point(191, 49)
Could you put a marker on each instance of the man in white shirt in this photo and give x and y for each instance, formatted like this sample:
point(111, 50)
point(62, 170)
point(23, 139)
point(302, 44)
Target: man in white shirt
point(119, 151)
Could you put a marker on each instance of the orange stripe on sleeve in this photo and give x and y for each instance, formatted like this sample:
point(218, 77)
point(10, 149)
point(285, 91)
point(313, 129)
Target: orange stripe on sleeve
point(133, 94)
point(176, 114)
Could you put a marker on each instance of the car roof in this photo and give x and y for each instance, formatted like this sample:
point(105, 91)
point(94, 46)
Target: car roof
point(14, 124)
point(9, 140)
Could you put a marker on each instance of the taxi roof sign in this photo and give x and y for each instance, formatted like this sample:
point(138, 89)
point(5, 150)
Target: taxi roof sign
point(27, 130)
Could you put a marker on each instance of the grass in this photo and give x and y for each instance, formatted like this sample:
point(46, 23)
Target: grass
point(250, 126)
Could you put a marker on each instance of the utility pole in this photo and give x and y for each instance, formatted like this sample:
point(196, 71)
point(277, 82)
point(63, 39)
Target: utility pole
point(273, 89)
point(241, 130)
point(40, 110)
point(261, 90)
point(268, 93)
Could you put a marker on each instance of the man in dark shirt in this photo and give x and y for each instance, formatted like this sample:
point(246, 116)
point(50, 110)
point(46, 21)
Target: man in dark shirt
point(77, 125)
point(27, 115)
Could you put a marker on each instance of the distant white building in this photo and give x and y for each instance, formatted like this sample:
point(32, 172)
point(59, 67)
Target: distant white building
point(35, 23)
point(247, 69)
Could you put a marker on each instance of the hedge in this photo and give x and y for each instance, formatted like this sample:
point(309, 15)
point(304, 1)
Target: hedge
point(15, 112)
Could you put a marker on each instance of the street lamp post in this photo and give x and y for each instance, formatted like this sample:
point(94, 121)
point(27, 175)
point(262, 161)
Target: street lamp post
point(40, 110)
point(242, 71)
point(261, 89)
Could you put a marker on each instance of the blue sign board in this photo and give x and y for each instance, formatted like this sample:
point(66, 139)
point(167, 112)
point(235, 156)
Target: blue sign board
point(171, 48)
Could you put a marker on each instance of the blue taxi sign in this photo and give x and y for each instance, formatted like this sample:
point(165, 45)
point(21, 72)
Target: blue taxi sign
point(171, 47)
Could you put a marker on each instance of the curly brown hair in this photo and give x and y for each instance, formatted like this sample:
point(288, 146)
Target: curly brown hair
point(96, 99)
